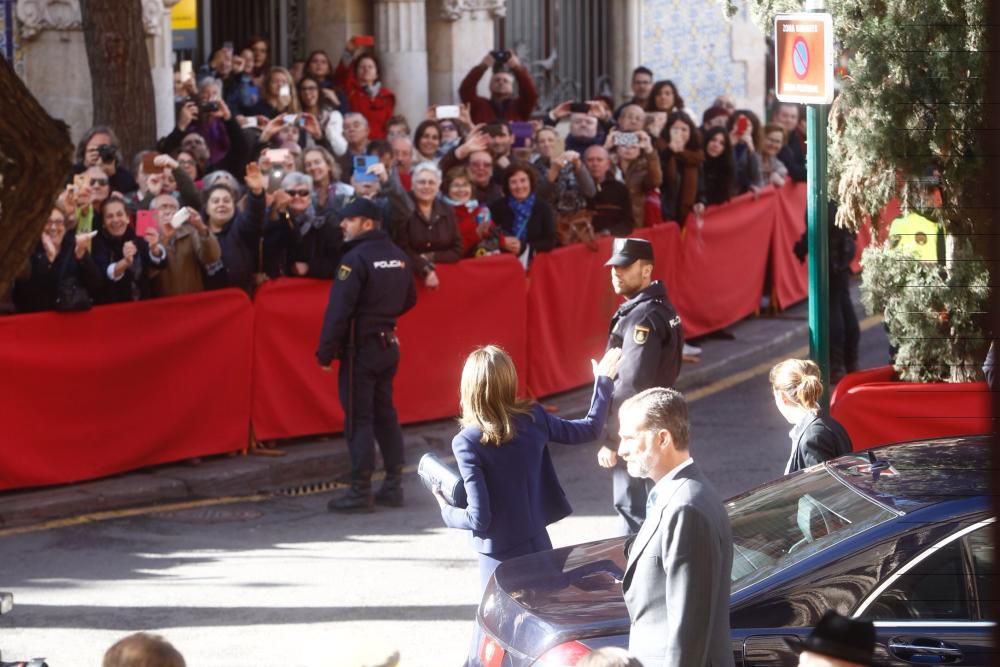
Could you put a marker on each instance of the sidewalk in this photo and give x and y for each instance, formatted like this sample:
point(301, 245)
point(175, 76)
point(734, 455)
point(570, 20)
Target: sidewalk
point(310, 464)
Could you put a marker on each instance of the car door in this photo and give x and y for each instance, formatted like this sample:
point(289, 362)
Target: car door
point(930, 611)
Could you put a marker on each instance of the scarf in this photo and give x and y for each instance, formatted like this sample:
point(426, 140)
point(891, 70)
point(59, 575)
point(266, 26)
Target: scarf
point(522, 213)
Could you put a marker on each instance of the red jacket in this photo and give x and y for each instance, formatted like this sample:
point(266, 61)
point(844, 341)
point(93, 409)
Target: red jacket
point(468, 220)
point(378, 109)
point(483, 110)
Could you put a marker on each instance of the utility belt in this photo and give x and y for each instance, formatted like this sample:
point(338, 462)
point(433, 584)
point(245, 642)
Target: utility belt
point(384, 338)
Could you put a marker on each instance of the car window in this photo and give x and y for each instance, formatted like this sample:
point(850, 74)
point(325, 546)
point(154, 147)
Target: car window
point(933, 589)
point(980, 546)
point(783, 523)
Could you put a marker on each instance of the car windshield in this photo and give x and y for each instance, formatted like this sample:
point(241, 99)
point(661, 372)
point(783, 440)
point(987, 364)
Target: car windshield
point(780, 524)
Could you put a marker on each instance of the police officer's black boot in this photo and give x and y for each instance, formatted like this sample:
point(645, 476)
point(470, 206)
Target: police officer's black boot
point(358, 498)
point(390, 493)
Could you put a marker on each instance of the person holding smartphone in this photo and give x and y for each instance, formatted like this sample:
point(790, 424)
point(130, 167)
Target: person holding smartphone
point(359, 73)
point(744, 136)
point(681, 162)
point(640, 169)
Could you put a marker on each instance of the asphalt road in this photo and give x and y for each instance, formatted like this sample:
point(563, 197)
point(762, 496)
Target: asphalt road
point(282, 582)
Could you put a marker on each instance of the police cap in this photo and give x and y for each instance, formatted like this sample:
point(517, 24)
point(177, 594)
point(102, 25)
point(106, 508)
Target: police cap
point(362, 208)
point(626, 251)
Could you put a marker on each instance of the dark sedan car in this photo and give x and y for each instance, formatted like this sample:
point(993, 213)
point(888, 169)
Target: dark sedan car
point(906, 541)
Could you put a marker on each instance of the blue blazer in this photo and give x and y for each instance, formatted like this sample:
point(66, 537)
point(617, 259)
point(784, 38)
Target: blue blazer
point(512, 489)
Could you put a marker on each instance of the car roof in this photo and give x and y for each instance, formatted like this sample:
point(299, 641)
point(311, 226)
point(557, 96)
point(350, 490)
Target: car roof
point(920, 473)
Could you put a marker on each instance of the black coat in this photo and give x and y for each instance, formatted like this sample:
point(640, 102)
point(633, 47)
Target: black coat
point(648, 331)
point(239, 240)
point(612, 206)
point(373, 287)
point(135, 283)
point(822, 439)
point(316, 240)
point(39, 289)
point(539, 233)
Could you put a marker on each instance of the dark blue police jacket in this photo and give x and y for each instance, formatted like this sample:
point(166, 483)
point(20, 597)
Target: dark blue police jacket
point(373, 286)
point(513, 489)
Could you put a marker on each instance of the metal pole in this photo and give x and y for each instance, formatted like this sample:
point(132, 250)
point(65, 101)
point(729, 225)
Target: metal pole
point(819, 261)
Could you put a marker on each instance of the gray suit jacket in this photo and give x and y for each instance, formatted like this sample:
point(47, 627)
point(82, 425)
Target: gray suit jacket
point(677, 578)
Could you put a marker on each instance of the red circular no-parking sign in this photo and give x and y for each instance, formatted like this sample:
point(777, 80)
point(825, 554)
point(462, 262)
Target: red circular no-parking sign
point(800, 58)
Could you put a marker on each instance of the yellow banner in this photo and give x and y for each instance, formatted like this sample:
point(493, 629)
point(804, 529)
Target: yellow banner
point(184, 15)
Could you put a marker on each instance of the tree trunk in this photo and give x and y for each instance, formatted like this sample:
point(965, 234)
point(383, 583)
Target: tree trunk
point(119, 67)
point(35, 157)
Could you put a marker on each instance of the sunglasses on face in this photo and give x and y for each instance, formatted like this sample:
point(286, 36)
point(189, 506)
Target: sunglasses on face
point(298, 193)
point(98, 181)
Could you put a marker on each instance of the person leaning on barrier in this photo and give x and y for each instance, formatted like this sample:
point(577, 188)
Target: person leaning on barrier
point(239, 232)
point(191, 248)
point(612, 201)
point(430, 236)
point(125, 260)
point(374, 285)
point(143, 650)
point(299, 242)
point(522, 214)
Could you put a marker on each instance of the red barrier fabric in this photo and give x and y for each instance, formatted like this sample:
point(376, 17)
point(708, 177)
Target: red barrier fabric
point(570, 303)
point(86, 395)
point(877, 411)
point(886, 216)
point(720, 272)
point(789, 276)
point(479, 302)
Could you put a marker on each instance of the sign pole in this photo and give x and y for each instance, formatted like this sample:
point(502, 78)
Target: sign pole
point(818, 236)
point(804, 74)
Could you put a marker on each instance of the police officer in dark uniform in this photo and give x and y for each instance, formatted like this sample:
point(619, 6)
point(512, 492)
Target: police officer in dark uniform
point(373, 287)
point(648, 330)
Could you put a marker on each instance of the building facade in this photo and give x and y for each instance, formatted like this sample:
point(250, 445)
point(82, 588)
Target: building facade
point(574, 48)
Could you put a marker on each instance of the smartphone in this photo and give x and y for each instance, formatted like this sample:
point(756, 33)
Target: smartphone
point(288, 118)
point(301, 122)
point(285, 91)
point(274, 180)
point(742, 123)
point(144, 220)
point(149, 166)
point(579, 107)
point(522, 132)
point(361, 165)
point(447, 111)
point(364, 40)
point(250, 121)
point(626, 139)
point(86, 236)
point(180, 217)
point(187, 70)
point(277, 156)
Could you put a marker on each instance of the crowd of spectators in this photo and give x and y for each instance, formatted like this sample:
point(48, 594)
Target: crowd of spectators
point(249, 184)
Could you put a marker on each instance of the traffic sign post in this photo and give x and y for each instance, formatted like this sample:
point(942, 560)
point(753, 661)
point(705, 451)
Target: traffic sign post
point(804, 62)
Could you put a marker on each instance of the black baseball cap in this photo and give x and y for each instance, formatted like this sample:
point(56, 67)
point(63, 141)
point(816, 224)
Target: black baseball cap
point(362, 207)
point(840, 637)
point(626, 251)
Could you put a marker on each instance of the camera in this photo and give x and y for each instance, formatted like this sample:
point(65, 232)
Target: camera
point(208, 107)
point(626, 139)
point(107, 153)
point(579, 107)
point(500, 56)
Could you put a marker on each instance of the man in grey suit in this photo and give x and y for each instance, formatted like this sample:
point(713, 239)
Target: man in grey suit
point(677, 576)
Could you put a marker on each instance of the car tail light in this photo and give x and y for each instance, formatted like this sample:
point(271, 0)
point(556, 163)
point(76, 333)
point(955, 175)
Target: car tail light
point(490, 652)
point(563, 655)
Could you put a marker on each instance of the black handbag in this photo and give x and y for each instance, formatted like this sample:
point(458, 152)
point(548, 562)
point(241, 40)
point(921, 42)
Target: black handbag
point(71, 297)
point(434, 472)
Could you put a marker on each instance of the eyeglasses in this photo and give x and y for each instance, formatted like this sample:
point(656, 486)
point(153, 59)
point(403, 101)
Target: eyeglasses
point(98, 181)
point(298, 193)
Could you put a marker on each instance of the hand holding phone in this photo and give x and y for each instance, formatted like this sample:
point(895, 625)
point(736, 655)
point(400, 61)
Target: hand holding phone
point(447, 111)
point(742, 123)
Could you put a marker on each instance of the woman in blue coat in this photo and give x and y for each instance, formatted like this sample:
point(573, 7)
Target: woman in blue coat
point(502, 455)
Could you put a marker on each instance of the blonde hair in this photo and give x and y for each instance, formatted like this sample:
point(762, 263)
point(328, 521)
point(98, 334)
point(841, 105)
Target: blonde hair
point(800, 380)
point(489, 395)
